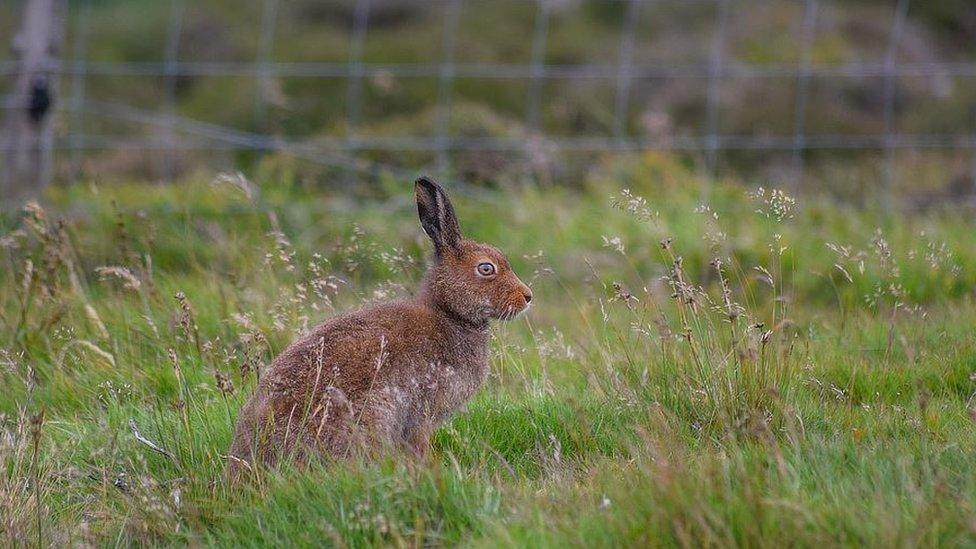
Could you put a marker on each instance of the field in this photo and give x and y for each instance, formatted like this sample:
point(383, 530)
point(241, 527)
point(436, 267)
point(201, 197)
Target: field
point(813, 386)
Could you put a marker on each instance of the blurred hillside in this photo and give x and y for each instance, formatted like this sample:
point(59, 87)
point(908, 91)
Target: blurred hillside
point(213, 76)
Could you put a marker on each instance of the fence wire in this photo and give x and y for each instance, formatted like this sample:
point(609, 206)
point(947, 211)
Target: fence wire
point(171, 132)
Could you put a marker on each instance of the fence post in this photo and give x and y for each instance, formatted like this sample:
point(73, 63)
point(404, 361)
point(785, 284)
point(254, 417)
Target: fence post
point(28, 131)
point(539, 35)
point(713, 90)
point(76, 102)
point(266, 37)
point(445, 87)
point(625, 61)
point(890, 83)
point(170, 69)
point(354, 84)
point(805, 62)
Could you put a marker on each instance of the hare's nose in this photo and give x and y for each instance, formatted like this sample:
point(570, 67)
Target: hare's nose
point(527, 294)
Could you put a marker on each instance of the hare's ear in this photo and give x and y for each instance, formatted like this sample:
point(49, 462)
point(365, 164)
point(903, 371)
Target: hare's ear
point(437, 216)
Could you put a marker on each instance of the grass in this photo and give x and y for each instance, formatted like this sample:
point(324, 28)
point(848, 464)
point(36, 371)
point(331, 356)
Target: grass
point(814, 386)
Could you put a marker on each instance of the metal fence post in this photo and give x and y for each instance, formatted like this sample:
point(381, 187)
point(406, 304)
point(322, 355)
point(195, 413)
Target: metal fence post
point(805, 61)
point(625, 63)
point(354, 89)
point(173, 32)
point(445, 86)
point(889, 82)
point(266, 36)
point(78, 83)
point(715, 74)
point(537, 65)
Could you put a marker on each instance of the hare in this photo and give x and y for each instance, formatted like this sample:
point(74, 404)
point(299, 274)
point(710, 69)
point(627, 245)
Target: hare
point(384, 377)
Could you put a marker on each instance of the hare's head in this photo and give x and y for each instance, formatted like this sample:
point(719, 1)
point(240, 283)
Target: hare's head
point(471, 281)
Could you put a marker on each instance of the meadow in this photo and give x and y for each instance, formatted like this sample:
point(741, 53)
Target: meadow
point(744, 368)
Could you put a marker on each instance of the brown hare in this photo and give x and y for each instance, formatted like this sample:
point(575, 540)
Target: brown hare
point(386, 376)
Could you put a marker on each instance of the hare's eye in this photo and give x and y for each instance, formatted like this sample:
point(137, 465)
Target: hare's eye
point(486, 269)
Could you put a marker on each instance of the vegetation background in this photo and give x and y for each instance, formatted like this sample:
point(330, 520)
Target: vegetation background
point(709, 360)
point(129, 64)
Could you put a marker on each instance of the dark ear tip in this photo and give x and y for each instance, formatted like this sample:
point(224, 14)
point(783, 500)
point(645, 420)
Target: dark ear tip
point(427, 181)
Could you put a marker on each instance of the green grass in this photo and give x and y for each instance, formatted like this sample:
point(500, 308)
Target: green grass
point(825, 398)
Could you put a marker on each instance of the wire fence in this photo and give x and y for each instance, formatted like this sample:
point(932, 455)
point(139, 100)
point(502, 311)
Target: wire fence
point(166, 130)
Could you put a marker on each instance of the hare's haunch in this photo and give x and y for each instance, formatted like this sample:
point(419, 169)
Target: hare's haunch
point(386, 376)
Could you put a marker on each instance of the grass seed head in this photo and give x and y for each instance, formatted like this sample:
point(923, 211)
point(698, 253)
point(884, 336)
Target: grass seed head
point(129, 280)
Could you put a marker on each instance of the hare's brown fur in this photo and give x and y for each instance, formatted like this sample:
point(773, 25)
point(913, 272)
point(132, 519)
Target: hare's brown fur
point(386, 376)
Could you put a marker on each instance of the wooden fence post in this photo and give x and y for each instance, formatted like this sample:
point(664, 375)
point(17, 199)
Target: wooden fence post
point(26, 142)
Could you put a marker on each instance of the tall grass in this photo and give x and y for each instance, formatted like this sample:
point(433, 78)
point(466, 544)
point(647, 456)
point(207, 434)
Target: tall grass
point(752, 371)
